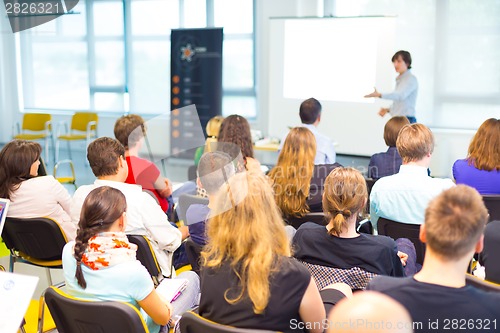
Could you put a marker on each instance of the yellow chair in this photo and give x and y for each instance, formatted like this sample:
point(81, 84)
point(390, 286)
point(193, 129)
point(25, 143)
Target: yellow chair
point(83, 127)
point(36, 126)
point(69, 179)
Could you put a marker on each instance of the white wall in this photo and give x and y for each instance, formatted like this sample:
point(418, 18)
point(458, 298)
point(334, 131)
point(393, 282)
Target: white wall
point(451, 145)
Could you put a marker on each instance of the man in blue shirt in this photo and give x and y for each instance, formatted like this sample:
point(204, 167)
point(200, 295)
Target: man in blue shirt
point(404, 196)
point(405, 94)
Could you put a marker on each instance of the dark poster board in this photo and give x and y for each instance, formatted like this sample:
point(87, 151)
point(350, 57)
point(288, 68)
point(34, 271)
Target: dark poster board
point(196, 78)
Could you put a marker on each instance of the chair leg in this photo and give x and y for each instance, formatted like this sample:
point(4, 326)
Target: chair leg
point(49, 277)
point(47, 148)
point(56, 152)
point(41, 312)
point(11, 264)
point(69, 150)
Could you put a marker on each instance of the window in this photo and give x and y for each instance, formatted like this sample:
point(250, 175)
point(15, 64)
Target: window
point(114, 55)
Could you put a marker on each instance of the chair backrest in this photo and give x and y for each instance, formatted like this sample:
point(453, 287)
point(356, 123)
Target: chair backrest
point(193, 251)
point(146, 256)
point(355, 277)
point(192, 172)
point(397, 230)
point(80, 120)
point(74, 315)
point(296, 222)
point(474, 281)
point(40, 238)
point(194, 323)
point(492, 203)
point(35, 121)
point(186, 200)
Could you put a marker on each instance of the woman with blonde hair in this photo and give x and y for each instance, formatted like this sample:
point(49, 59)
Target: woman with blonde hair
point(481, 168)
point(292, 174)
point(339, 245)
point(248, 278)
point(297, 182)
point(212, 128)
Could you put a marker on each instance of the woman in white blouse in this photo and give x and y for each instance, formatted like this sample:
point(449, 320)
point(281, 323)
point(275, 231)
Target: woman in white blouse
point(32, 196)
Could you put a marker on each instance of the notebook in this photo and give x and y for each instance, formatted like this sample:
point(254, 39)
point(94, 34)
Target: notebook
point(15, 295)
point(171, 289)
point(4, 207)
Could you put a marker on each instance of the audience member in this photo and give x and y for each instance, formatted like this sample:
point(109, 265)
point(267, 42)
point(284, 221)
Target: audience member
point(388, 163)
point(339, 245)
point(404, 196)
point(437, 297)
point(214, 169)
point(145, 217)
point(130, 130)
point(235, 129)
point(32, 196)
point(297, 182)
point(310, 116)
point(489, 258)
point(212, 130)
point(248, 279)
point(369, 312)
point(101, 264)
point(481, 168)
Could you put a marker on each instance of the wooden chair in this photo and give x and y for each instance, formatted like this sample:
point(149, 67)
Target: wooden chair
point(397, 230)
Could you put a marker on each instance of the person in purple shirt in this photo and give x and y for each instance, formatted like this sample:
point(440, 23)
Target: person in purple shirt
point(481, 168)
point(388, 163)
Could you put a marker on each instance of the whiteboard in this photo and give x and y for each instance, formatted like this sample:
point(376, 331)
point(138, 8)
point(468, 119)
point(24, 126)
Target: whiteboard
point(337, 61)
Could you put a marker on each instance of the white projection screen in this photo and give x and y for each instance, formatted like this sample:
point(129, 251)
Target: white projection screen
point(337, 61)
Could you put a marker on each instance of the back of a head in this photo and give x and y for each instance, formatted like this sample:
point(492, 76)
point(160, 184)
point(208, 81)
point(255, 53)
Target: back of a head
point(129, 130)
point(214, 169)
point(213, 129)
point(392, 129)
point(236, 129)
point(103, 155)
point(245, 229)
point(16, 158)
point(369, 312)
point(454, 222)
point(405, 56)
point(244, 214)
point(414, 142)
point(484, 151)
point(309, 111)
point(345, 194)
point(292, 174)
point(101, 208)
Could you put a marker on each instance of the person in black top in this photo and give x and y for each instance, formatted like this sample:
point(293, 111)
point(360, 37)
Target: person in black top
point(248, 278)
point(437, 297)
point(339, 245)
point(489, 258)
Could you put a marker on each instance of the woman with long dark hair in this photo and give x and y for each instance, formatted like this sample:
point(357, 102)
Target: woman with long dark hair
point(30, 195)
